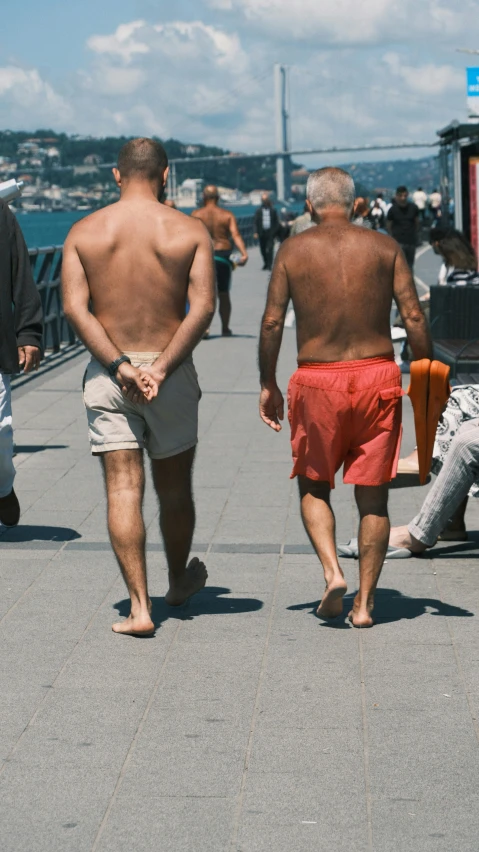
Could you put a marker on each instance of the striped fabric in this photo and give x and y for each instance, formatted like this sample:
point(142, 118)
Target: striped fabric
point(459, 471)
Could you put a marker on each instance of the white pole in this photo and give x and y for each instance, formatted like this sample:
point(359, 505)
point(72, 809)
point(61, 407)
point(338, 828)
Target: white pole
point(279, 109)
point(286, 134)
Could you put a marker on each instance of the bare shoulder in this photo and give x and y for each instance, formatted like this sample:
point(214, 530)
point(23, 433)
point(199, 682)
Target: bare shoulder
point(92, 224)
point(294, 245)
point(382, 242)
point(190, 228)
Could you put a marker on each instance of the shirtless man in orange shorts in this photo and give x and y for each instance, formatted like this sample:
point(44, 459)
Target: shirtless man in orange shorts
point(223, 228)
point(136, 263)
point(345, 397)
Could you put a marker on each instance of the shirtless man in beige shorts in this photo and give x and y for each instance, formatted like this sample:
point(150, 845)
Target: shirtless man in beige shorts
point(136, 263)
point(223, 229)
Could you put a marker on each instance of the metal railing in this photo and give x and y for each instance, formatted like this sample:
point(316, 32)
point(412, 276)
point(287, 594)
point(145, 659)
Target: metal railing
point(246, 229)
point(46, 264)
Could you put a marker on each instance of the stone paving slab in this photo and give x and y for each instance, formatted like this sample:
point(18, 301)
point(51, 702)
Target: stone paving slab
point(245, 724)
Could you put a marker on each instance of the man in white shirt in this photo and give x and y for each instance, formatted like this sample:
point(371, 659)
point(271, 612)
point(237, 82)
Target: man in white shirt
point(420, 200)
point(435, 201)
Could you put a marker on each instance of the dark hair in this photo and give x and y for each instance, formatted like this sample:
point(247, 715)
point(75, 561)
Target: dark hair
point(455, 249)
point(144, 158)
point(401, 189)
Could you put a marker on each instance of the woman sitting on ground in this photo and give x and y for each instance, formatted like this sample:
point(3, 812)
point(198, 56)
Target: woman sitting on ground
point(460, 261)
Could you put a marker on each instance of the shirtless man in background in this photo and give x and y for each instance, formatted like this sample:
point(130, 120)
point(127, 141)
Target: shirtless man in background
point(137, 262)
point(223, 228)
point(345, 397)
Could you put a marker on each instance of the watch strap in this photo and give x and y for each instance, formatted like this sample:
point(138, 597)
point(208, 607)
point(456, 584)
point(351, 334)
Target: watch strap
point(113, 367)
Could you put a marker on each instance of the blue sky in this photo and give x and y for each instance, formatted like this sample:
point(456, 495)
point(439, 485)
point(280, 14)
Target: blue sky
point(378, 71)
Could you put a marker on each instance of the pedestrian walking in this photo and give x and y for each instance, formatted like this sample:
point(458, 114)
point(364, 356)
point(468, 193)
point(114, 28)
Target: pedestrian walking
point(419, 198)
point(403, 224)
point(127, 272)
point(266, 224)
point(345, 397)
point(435, 204)
point(377, 216)
point(223, 229)
point(302, 222)
point(21, 329)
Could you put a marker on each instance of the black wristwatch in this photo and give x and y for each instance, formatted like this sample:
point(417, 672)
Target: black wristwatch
point(113, 368)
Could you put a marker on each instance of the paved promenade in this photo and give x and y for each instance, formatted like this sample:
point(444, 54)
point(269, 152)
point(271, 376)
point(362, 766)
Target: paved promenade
point(245, 724)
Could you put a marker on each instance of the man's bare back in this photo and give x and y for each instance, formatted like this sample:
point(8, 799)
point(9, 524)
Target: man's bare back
point(342, 280)
point(137, 256)
point(220, 224)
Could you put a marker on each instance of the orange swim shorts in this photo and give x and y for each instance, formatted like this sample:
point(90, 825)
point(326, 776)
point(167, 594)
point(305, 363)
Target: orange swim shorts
point(346, 412)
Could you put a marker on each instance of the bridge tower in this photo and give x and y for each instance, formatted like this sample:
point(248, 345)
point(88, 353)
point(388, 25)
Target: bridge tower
point(283, 142)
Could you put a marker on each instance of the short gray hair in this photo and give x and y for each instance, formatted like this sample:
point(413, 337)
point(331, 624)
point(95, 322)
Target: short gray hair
point(331, 187)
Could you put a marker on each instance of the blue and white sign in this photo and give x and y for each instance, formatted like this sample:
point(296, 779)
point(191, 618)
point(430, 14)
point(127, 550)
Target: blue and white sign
point(473, 89)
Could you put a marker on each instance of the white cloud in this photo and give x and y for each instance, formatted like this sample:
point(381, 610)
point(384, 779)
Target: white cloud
point(115, 81)
point(352, 22)
point(121, 43)
point(26, 99)
point(184, 76)
point(427, 79)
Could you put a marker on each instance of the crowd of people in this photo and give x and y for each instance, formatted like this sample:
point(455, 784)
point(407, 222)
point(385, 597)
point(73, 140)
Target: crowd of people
point(141, 390)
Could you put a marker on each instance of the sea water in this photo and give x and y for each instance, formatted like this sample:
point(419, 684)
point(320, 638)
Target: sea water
point(50, 229)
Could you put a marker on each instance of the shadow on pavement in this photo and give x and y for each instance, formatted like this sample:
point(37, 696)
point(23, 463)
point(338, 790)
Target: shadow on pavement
point(408, 480)
point(39, 448)
point(26, 532)
point(443, 550)
point(207, 602)
point(221, 337)
point(390, 606)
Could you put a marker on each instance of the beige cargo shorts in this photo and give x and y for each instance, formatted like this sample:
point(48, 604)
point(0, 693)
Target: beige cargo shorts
point(164, 427)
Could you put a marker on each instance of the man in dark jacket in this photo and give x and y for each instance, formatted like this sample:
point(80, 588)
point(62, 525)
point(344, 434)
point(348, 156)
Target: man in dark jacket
point(403, 224)
point(20, 344)
point(266, 225)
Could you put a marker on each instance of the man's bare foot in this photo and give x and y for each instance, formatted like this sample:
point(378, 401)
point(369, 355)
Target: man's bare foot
point(193, 580)
point(401, 537)
point(332, 601)
point(138, 625)
point(361, 616)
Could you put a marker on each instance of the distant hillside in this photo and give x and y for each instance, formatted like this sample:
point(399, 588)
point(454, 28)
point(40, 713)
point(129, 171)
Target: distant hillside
point(386, 176)
point(52, 155)
point(32, 152)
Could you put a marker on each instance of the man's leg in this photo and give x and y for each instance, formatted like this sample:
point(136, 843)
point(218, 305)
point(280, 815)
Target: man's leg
point(319, 523)
point(125, 486)
point(9, 506)
point(172, 479)
point(269, 251)
point(224, 310)
point(409, 254)
point(459, 471)
point(372, 502)
point(263, 241)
